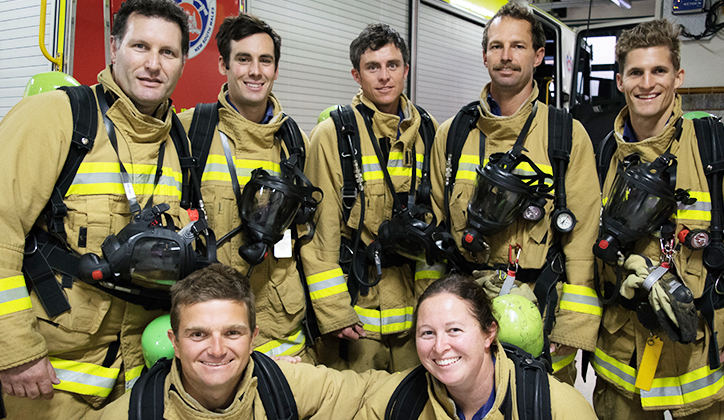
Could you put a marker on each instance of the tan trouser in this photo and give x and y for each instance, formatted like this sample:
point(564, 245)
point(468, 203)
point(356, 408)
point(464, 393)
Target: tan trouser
point(393, 353)
point(610, 404)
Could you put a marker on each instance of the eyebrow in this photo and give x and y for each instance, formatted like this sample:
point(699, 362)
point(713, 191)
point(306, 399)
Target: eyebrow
point(242, 327)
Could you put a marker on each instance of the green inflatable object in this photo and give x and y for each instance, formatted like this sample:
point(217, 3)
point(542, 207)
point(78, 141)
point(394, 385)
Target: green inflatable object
point(519, 323)
point(695, 115)
point(325, 114)
point(155, 342)
point(44, 82)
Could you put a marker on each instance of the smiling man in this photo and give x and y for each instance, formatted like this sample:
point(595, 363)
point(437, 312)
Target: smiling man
point(509, 119)
point(373, 331)
point(681, 379)
point(214, 375)
point(245, 130)
point(70, 346)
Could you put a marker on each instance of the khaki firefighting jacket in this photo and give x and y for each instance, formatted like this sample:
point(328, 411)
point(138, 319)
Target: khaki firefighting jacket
point(276, 283)
point(683, 382)
point(388, 307)
point(36, 138)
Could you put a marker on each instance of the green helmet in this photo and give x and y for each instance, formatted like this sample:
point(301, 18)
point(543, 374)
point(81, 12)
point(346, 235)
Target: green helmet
point(155, 342)
point(325, 114)
point(44, 82)
point(694, 115)
point(519, 323)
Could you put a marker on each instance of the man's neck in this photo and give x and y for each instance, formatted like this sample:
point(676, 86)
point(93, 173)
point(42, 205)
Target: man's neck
point(254, 114)
point(646, 128)
point(509, 101)
point(390, 108)
point(212, 400)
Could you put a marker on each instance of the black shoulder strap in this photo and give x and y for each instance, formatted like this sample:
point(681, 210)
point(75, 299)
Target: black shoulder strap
point(427, 132)
point(710, 136)
point(604, 154)
point(292, 138)
point(409, 398)
point(201, 132)
point(531, 383)
point(560, 143)
point(273, 388)
point(147, 394)
point(348, 142)
point(464, 121)
point(85, 125)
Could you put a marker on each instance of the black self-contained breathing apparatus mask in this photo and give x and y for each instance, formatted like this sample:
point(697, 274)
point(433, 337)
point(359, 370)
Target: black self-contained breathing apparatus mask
point(269, 205)
point(642, 198)
point(145, 254)
point(501, 196)
point(410, 234)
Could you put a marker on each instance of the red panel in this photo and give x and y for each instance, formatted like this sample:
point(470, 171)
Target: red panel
point(201, 80)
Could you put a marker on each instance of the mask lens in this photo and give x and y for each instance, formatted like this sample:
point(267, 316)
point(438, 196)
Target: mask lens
point(156, 262)
point(496, 204)
point(270, 208)
point(636, 209)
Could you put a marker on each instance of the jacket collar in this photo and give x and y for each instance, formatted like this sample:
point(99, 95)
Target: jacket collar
point(240, 130)
point(386, 125)
point(651, 148)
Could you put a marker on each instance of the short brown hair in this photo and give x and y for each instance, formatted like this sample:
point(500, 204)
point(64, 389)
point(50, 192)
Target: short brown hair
point(516, 11)
point(374, 37)
point(236, 28)
point(655, 33)
point(216, 281)
point(164, 9)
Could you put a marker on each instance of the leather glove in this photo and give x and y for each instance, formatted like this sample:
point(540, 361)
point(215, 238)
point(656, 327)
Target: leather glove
point(641, 266)
point(674, 306)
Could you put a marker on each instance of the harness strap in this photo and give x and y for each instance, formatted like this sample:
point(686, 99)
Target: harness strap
point(39, 271)
point(201, 132)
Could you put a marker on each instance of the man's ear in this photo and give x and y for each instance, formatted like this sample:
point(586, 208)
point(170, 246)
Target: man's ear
point(253, 337)
point(174, 342)
point(114, 49)
point(222, 66)
point(619, 82)
point(539, 56)
point(356, 77)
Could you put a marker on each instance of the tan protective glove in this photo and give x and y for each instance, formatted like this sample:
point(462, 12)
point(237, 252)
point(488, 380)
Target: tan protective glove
point(641, 267)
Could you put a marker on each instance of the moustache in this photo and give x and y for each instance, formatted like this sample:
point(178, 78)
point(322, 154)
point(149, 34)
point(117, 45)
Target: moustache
point(508, 66)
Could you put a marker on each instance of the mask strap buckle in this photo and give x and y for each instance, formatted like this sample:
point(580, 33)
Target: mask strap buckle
point(667, 251)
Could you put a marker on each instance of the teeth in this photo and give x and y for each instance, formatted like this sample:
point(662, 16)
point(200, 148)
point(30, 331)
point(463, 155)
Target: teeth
point(651, 96)
point(254, 85)
point(447, 362)
point(216, 364)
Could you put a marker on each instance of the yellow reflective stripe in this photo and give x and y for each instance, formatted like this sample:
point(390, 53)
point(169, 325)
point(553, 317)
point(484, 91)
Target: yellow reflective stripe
point(14, 295)
point(371, 168)
point(617, 372)
point(400, 171)
point(326, 283)
point(580, 299)
point(132, 376)
point(387, 321)
point(685, 389)
point(288, 346)
point(467, 167)
point(217, 168)
point(559, 362)
point(84, 378)
point(699, 210)
point(424, 271)
point(104, 178)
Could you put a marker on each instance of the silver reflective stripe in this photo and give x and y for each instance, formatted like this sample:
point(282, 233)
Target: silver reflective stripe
point(685, 388)
point(698, 206)
point(13, 294)
point(131, 383)
point(84, 378)
point(287, 344)
point(369, 320)
point(614, 370)
point(397, 319)
point(371, 167)
point(240, 171)
point(582, 299)
point(334, 281)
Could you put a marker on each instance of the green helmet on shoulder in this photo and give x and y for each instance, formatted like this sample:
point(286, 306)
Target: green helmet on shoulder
point(44, 82)
point(519, 323)
point(325, 114)
point(155, 342)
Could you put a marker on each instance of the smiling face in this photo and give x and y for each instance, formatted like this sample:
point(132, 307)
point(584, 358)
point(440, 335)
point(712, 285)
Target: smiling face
point(382, 75)
point(214, 345)
point(250, 74)
point(510, 56)
point(451, 344)
point(148, 61)
point(649, 82)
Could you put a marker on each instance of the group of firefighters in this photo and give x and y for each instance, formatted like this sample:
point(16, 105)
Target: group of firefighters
point(339, 234)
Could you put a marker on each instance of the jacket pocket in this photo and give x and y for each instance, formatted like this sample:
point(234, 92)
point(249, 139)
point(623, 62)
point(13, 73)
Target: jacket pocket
point(375, 205)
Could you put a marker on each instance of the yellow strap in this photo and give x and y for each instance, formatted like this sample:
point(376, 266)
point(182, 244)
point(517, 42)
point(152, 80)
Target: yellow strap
point(649, 363)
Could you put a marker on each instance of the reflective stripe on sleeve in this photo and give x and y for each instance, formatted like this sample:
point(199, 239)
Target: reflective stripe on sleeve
point(581, 299)
point(326, 283)
point(424, 271)
point(388, 321)
point(84, 378)
point(559, 362)
point(14, 295)
point(132, 376)
point(288, 346)
point(668, 391)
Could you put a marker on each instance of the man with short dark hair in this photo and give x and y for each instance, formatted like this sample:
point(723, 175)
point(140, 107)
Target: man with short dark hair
point(213, 372)
point(90, 353)
point(374, 330)
point(632, 344)
point(510, 139)
point(249, 135)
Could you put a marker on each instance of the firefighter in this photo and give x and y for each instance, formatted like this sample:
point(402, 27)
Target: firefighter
point(362, 291)
point(248, 122)
point(651, 356)
point(69, 346)
point(499, 205)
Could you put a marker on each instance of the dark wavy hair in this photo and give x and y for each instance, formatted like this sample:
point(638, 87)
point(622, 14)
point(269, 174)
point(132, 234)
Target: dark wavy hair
point(654, 33)
point(165, 9)
point(374, 37)
point(235, 28)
